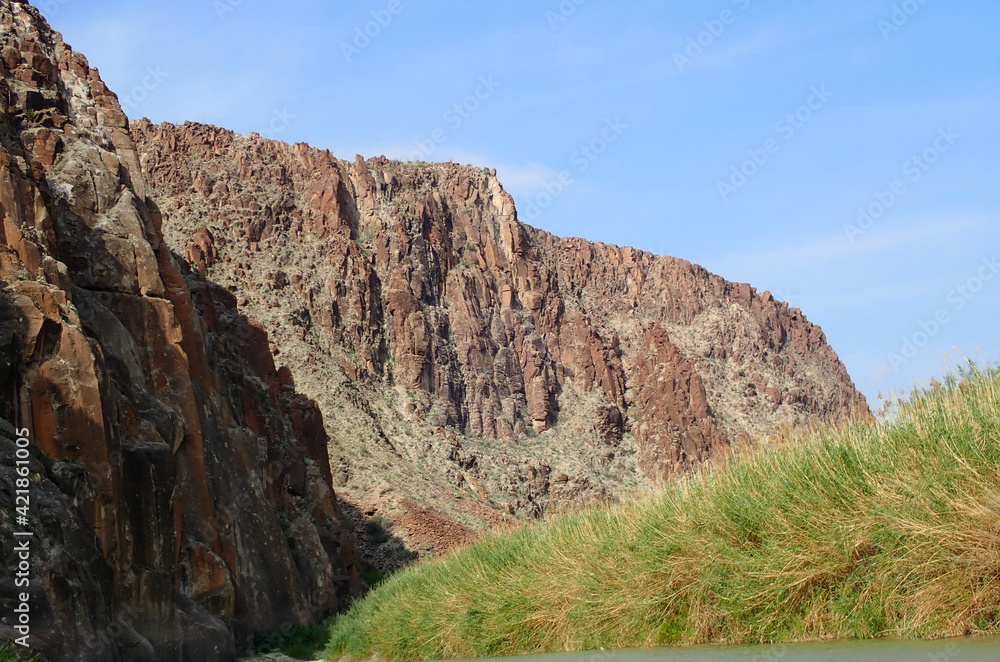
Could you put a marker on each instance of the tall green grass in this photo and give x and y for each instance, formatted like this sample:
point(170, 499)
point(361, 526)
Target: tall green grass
point(865, 531)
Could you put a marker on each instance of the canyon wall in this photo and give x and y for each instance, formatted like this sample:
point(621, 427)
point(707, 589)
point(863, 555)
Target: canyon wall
point(486, 358)
point(181, 495)
point(206, 334)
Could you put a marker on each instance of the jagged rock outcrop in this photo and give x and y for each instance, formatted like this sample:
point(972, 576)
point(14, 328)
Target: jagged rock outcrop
point(181, 490)
point(481, 358)
point(675, 428)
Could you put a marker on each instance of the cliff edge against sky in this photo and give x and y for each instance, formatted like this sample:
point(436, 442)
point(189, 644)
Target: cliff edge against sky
point(206, 334)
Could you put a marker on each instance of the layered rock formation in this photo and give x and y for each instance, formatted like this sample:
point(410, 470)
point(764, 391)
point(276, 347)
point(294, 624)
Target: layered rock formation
point(458, 366)
point(463, 357)
point(181, 491)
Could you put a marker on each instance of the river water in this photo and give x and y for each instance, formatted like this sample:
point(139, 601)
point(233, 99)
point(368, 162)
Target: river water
point(948, 650)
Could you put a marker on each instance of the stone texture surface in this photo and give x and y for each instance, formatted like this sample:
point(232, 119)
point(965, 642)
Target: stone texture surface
point(466, 359)
point(207, 333)
point(181, 490)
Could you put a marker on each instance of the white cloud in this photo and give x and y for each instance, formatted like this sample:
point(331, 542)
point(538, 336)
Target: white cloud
point(871, 296)
point(530, 178)
point(569, 56)
point(721, 57)
point(881, 372)
point(929, 232)
point(980, 104)
point(114, 43)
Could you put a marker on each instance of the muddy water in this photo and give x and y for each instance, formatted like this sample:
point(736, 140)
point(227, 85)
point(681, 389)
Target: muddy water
point(950, 650)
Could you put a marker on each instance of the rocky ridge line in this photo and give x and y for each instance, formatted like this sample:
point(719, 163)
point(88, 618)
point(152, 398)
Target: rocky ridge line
point(462, 357)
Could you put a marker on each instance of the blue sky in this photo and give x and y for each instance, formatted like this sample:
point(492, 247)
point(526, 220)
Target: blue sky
point(746, 136)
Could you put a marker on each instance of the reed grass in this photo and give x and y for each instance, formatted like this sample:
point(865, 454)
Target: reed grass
point(867, 530)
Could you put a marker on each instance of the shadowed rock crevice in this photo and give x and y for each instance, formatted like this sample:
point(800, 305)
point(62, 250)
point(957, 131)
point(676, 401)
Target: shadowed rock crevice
point(12, 330)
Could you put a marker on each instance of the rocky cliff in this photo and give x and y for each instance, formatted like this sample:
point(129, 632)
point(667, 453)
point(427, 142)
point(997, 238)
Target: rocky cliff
point(180, 488)
point(467, 362)
point(206, 333)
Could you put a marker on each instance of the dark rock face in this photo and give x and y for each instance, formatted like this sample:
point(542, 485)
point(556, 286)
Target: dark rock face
point(181, 490)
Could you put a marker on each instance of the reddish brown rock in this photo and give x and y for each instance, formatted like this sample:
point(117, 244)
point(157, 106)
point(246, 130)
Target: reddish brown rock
point(169, 465)
point(201, 249)
point(674, 427)
point(414, 288)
